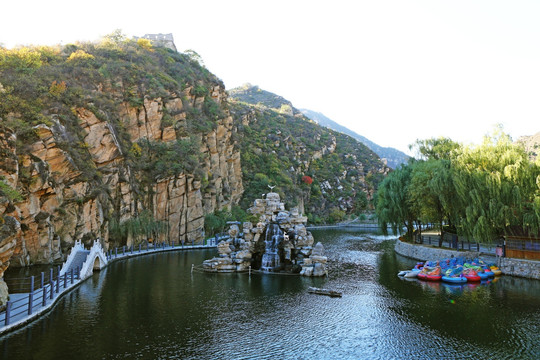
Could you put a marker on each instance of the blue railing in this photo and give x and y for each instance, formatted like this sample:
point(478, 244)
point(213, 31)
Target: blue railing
point(39, 295)
point(118, 252)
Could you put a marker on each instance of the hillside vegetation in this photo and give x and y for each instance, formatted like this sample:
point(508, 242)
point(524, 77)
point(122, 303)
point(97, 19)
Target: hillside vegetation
point(123, 140)
point(326, 173)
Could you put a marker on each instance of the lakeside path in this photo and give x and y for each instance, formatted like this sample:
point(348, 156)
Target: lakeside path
point(51, 293)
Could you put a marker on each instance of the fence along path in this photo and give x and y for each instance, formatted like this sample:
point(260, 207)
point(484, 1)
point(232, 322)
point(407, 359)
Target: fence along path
point(44, 291)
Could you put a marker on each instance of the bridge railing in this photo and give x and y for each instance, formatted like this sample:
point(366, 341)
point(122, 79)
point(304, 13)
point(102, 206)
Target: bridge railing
point(40, 293)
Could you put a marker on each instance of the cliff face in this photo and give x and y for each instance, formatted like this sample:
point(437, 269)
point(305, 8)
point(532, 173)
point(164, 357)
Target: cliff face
point(59, 208)
point(105, 154)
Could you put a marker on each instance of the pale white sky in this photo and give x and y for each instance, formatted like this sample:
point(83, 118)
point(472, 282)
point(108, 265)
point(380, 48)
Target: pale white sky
point(391, 70)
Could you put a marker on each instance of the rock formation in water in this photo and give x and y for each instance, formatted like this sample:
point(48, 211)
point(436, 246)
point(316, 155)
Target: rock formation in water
point(279, 242)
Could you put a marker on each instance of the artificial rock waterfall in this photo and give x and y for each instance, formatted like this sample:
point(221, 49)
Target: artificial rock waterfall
point(279, 242)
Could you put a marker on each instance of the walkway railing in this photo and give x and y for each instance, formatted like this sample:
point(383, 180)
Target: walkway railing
point(126, 251)
point(44, 290)
point(453, 242)
point(40, 293)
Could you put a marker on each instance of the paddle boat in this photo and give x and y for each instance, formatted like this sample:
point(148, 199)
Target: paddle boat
point(471, 275)
point(454, 276)
point(435, 275)
point(413, 272)
point(495, 270)
point(430, 273)
point(409, 273)
point(485, 272)
point(454, 279)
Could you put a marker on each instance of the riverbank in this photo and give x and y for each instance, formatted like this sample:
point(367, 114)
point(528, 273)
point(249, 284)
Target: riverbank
point(529, 269)
point(49, 294)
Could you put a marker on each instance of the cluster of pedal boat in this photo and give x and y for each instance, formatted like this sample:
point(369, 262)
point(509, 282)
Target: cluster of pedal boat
point(455, 270)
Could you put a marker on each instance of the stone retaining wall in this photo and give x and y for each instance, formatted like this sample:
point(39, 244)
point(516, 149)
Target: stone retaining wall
point(509, 266)
point(426, 252)
point(520, 267)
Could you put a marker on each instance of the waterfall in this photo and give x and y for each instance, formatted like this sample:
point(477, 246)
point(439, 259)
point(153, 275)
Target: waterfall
point(273, 237)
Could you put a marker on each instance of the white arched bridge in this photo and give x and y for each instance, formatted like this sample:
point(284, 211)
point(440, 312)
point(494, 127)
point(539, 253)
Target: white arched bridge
point(85, 260)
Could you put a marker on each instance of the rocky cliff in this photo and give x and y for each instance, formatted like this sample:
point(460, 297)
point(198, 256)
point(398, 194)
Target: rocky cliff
point(60, 206)
point(100, 154)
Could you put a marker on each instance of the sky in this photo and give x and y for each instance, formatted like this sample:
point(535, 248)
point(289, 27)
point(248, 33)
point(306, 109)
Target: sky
point(391, 70)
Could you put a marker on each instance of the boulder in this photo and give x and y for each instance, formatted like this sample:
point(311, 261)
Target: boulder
point(243, 266)
point(319, 270)
point(318, 259)
point(234, 231)
point(224, 248)
point(244, 255)
point(307, 271)
point(318, 249)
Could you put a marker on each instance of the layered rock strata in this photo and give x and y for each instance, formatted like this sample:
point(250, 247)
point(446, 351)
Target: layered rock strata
point(66, 198)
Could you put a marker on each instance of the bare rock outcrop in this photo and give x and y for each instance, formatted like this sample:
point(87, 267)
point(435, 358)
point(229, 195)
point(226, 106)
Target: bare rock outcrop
point(74, 182)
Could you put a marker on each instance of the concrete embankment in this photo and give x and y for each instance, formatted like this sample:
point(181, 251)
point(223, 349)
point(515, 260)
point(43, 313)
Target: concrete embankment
point(509, 266)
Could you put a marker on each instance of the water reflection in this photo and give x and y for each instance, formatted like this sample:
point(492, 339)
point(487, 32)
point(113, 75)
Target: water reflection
point(154, 307)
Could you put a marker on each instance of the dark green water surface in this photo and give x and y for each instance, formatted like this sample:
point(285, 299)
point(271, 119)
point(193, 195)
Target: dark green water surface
point(153, 307)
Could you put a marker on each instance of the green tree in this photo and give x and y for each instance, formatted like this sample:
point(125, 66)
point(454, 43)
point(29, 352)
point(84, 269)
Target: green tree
point(393, 205)
point(336, 215)
point(434, 148)
point(497, 188)
point(431, 192)
point(23, 60)
point(213, 224)
point(115, 39)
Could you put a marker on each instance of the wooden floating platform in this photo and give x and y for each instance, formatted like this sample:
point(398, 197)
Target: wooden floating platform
point(327, 292)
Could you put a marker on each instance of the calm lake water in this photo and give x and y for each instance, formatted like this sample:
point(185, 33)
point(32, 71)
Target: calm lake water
point(153, 307)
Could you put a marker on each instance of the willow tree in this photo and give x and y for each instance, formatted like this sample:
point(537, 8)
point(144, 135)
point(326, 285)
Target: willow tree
point(435, 148)
point(497, 188)
point(431, 192)
point(393, 205)
point(136, 229)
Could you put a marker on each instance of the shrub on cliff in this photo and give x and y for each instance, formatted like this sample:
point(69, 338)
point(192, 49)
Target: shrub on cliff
point(10, 193)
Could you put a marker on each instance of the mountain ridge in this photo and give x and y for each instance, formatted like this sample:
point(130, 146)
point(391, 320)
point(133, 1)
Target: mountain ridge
point(393, 156)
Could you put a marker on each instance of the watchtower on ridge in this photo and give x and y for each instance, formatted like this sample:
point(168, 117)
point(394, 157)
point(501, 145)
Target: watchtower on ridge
point(165, 40)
